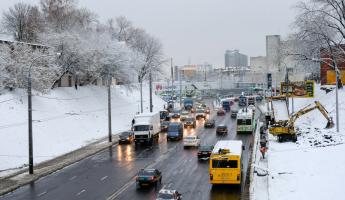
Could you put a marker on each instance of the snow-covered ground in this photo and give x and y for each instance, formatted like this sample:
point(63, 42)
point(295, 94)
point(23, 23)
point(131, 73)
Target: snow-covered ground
point(313, 167)
point(64, 120)
point(280, 110)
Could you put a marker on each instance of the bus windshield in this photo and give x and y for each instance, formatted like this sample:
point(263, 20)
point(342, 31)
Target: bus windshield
point(224, 164)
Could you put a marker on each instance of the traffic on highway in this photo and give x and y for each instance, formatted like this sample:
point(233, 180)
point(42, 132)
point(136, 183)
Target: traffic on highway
point(172, 164)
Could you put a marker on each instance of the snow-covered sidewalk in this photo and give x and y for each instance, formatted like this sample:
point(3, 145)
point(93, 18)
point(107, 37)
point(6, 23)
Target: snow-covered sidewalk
point(313, 167)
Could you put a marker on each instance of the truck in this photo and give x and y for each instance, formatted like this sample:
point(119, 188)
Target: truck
point(188, 103)
point(226, 105)
point(146, 127)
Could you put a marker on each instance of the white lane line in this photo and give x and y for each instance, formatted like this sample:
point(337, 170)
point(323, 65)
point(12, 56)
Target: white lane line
point(73, 177)
point(103, 178)
point(41, 194)
point(79, 193)
point(121, 190)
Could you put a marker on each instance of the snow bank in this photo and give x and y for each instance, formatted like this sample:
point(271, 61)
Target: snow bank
point(313, 167)
point(64, 120)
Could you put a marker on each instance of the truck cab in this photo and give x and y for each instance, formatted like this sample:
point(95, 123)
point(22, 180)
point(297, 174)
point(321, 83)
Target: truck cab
point(175, 131)
point(146, 127)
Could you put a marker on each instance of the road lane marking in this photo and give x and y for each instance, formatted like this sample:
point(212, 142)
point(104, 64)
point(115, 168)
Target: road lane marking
point(79, 193)
point(103, 178)
point(73, 177)
point(41, 194)
point(121, 190)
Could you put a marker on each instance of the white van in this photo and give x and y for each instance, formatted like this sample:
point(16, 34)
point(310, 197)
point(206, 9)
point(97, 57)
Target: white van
point(146, 127)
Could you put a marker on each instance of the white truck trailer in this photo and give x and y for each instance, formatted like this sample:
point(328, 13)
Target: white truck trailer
point(146, 127)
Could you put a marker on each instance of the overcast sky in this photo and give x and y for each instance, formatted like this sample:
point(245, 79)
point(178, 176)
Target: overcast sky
point(200, 30)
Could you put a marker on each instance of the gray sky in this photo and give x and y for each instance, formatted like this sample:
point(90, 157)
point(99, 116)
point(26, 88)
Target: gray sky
point(200, 30)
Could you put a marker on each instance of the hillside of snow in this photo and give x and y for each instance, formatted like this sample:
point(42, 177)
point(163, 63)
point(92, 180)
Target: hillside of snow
point(64, 120)
point(313, 167)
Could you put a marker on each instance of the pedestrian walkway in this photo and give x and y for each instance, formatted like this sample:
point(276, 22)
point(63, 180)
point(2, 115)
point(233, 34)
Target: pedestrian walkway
point(259, 189)
point(22, 177)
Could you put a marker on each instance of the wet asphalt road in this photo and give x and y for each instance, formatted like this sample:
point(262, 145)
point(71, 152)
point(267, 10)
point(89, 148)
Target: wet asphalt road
point(110, 173)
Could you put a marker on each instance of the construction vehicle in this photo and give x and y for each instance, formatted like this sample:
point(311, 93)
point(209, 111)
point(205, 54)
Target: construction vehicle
point(285, 129)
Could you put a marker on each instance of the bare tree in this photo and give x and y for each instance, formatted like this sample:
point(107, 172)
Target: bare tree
point(64, 15)
point(321, 27)
point(23, 21)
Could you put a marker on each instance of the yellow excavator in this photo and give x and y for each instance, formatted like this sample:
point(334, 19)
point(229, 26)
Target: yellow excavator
point(285, 129)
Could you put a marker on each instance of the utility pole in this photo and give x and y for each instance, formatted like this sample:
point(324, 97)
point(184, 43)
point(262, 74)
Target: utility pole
point(150, 80)
point(141, 93)
point(336, 95)
point(31, 157)
point(109, 108)
point(180, 79)
point(31, 160)
point(172, 77)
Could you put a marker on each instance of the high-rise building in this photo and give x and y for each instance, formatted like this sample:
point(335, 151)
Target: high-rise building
point(233, 58)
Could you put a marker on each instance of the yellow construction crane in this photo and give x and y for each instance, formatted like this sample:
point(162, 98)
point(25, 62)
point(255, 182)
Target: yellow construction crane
point(285, 129)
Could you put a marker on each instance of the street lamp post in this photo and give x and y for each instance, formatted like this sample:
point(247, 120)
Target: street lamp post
point(31, 157)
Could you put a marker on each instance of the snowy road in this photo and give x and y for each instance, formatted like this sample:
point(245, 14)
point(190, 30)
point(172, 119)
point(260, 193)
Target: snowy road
point(110, 174)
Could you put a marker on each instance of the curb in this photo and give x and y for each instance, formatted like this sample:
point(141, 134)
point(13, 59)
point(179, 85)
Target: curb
point(21, 178)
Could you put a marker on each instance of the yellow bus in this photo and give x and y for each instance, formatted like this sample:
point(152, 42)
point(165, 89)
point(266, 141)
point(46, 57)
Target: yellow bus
point(226, 163)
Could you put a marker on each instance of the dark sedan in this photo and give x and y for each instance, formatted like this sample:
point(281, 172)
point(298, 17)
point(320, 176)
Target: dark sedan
point(204, 152)
point(220, 112)
point(234, 113)
point(147, 177)
point(126, 137)
point(190, 121)
point(210, 123)
point(222, 129)
point(176, 114)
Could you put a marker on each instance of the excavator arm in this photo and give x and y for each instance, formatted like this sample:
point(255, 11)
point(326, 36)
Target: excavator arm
point(308, 109)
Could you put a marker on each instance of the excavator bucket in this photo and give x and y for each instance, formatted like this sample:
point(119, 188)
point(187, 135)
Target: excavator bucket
point(330, 124)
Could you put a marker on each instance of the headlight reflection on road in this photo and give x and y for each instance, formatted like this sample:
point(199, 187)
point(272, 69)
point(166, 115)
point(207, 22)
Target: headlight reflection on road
point(119, 152)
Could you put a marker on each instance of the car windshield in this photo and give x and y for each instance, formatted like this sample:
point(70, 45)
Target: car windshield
point(146, 173)
point(125, 134)
point(173, 128)
point(205, 148)
point(165, 196)
point(176, 111)
point(190, 119)
point(199, 111)
point(190, 138)
point(141, 128)
point(185, 113)
point(164, 123)
point(221, 126)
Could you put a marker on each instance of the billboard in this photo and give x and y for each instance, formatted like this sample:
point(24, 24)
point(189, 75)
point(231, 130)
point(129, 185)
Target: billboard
point(299, 89)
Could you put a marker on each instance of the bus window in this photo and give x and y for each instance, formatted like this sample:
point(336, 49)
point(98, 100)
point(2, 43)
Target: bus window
point(244, 121)
point(224, 164)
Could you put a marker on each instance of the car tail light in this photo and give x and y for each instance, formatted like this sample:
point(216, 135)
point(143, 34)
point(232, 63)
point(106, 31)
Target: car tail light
point(136, 178)
point(151, 177)
point(211, 177)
